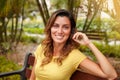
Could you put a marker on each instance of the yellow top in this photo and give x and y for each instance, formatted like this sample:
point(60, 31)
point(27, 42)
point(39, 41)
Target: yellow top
point(52, 71)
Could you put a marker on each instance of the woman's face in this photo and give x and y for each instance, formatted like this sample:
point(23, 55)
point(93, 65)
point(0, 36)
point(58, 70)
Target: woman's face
point(60, 31)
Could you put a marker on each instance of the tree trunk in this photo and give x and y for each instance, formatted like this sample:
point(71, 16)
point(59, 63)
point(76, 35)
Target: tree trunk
point(73, 7)
point(91, 14)
point(16, 27)
point(43, 10)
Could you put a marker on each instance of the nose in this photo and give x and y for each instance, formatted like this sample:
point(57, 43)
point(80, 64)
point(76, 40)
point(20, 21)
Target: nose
point(60, 30)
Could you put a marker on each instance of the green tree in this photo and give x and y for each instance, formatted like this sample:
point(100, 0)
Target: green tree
point(70, 5)
point(94, 8)
point(114, 13)
point(10, 11)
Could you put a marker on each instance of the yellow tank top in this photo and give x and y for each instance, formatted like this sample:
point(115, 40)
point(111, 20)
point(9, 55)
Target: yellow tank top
point(52, 71)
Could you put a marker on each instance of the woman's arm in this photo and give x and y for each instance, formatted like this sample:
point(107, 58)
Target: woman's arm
point(104, 64)
point(104, 69)
point(32, 77)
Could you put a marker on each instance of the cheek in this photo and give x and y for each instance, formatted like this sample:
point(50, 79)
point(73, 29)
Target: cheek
point(68, 33)
point(52, 32)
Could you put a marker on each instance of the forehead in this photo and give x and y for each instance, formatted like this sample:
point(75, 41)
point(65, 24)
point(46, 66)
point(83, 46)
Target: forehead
point(62, 19)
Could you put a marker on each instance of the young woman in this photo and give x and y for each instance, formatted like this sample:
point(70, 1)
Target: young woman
point(57, 57)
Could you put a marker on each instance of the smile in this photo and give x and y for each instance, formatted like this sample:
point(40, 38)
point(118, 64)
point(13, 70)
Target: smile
point(59, 37)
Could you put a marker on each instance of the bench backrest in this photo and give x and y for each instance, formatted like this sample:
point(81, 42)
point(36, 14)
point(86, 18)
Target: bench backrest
point(30, 62)
point(96, 35)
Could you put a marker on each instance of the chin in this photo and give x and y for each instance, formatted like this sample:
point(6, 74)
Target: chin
point(59, 42)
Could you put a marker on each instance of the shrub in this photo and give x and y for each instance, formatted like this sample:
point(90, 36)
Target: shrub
point(28, 39)
point(107, 50)
point(34, 30)
point(7, 66)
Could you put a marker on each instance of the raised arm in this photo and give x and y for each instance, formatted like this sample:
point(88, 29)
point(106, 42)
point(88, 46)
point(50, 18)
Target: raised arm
point(103, 68)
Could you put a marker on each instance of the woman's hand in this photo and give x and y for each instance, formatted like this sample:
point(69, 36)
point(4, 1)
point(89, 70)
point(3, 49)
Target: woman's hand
point(81, 38)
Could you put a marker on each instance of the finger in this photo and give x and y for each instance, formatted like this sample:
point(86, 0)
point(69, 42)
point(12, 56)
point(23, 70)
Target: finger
point(78, 41)
point(74, 36)
point(78, 35)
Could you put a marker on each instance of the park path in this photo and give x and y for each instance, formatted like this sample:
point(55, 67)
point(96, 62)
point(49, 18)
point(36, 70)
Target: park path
point(18, 55)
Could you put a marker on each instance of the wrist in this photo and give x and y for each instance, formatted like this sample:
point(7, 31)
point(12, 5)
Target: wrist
point(89, 43)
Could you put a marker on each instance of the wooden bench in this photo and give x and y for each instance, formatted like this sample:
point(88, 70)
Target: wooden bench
point(96, 35)
point(25, 72)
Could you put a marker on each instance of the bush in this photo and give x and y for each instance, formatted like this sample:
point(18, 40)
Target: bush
point(28, 39)
point(114, 35)
point(34, 30)
point(107, 50)
point(31, 39)
point(7, 66)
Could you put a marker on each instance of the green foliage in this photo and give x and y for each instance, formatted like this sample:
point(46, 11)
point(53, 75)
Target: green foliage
point(10, 11)
point(34, 27)
point(105, 24)
point(107, 50)
point(9, 7)
point(114, 35)
point(58, 4)
point(109, 25)
point(7, 66)
point(34, 30)
point(87, 52)
point(4, 47)
point(80, 24)
point(116, 27)
point(28, 39)
point(33, 24)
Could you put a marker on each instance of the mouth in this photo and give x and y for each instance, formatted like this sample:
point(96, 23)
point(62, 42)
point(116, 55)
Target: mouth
point(59, 37)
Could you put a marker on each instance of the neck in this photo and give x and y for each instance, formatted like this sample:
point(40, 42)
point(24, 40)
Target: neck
point(57, 49)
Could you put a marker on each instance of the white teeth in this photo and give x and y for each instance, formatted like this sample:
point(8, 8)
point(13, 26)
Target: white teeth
point(59, 37)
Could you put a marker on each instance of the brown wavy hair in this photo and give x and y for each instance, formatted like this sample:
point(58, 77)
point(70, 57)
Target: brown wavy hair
point(48, 41)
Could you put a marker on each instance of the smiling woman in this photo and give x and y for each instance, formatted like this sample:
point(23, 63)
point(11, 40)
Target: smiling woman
point(60, 30)
point(58, 56)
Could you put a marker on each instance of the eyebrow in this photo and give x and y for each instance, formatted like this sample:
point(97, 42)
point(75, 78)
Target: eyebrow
point(63, 24)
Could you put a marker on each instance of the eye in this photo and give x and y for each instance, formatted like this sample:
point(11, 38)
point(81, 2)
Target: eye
point(55, 26)
point(66, 27)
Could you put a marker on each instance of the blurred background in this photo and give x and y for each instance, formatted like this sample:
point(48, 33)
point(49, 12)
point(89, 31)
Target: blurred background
point(22, 24)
